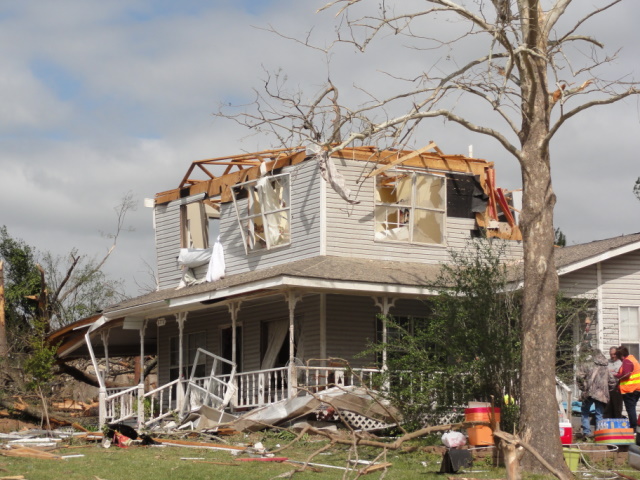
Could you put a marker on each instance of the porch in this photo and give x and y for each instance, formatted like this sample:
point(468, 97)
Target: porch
point(233, 392)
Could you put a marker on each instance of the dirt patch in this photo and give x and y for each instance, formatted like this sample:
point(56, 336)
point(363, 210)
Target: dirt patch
point(8, 425)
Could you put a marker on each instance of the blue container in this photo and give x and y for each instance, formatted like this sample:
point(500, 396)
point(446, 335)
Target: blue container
point(611, 423)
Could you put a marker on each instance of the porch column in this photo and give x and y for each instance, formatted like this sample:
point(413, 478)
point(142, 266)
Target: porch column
point(384, 304)
point(105, 343)
point(234, 308)
point(292, 299)
point(180, 318)
point(141, 381)
point(102, 395)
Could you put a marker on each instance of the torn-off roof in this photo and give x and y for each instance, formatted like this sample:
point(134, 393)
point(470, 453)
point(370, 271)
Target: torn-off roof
point(241, 168)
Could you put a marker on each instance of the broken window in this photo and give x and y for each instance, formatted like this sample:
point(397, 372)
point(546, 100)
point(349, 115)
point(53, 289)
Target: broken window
point(200, 224)
point(264, 213)
point(410, 207)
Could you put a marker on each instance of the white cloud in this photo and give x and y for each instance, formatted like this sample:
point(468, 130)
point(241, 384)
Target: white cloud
point(129, 100)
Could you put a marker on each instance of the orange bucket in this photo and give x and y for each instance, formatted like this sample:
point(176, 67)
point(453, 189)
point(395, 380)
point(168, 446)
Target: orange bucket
point(480, 434)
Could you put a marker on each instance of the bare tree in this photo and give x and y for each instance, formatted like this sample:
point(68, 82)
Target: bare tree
point(521, 69)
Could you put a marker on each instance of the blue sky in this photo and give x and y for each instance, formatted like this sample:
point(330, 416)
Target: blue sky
point(101, 98)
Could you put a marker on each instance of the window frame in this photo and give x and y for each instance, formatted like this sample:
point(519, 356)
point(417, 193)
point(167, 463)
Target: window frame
point(632, 344)
point(248, 189)
point(411, 209)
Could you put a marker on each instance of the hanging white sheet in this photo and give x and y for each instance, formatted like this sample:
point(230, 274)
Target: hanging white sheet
point(277, 333)
point(216, 264)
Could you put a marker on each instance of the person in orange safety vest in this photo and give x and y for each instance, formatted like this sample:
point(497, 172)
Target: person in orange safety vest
point(629, 377)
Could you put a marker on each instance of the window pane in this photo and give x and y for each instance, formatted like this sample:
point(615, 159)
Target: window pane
point(277, 231)
point(430, 192)
point(391, 223)
point(428, 227)
point(629, 325)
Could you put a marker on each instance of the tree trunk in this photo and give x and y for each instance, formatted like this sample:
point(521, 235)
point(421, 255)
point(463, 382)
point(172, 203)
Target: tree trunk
point(539, 410)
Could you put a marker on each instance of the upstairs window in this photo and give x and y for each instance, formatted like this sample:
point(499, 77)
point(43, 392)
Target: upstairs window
point(263, 207)
point(200, 224)
point(410, 207)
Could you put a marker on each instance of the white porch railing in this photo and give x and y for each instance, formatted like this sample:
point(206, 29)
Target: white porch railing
point(237, 391)
point(262, 387)
point(163, 401)
point(318, 378)
point(121, 404)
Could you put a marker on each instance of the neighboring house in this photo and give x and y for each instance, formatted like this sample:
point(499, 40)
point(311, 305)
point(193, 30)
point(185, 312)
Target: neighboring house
point(608, 272)
point(313, 249)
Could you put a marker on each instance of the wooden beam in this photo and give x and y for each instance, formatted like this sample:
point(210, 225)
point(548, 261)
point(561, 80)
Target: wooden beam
point(402, 159)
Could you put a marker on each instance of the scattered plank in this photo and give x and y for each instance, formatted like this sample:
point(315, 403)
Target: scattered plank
point(375, 467)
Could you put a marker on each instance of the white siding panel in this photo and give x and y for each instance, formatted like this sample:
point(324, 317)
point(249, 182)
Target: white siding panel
point(582, 283)
point(351, 326)
point(168, 244)
point(620, 287)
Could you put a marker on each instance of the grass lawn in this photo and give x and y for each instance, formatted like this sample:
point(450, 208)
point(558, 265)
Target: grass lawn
point(160, 463)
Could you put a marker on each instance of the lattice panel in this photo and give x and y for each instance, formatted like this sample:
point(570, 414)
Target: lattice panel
point(360, 422)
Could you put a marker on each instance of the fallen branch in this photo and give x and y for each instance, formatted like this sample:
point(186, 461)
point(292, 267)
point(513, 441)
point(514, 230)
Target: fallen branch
point(514, 440)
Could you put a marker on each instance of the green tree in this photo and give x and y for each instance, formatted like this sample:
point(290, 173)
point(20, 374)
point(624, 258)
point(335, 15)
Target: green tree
point(560, 238)
point(467, 346)
point(42, 292)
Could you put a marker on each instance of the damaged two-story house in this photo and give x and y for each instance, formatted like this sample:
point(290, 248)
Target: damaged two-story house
point(273, 264)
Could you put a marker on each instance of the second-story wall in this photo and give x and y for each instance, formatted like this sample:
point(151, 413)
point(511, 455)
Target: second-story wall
point(350, 228)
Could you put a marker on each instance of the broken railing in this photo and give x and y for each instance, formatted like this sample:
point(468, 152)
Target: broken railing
point(214, 391)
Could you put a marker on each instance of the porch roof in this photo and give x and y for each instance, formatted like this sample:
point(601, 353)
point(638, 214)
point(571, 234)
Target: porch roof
point(328, 273)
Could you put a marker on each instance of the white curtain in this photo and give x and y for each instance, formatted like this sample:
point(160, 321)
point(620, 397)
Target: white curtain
point(277, 332)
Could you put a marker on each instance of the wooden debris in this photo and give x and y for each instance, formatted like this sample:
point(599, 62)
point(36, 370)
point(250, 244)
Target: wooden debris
point(13, 477)
point(375, 467)
point(186, 443)
point(20, 451)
